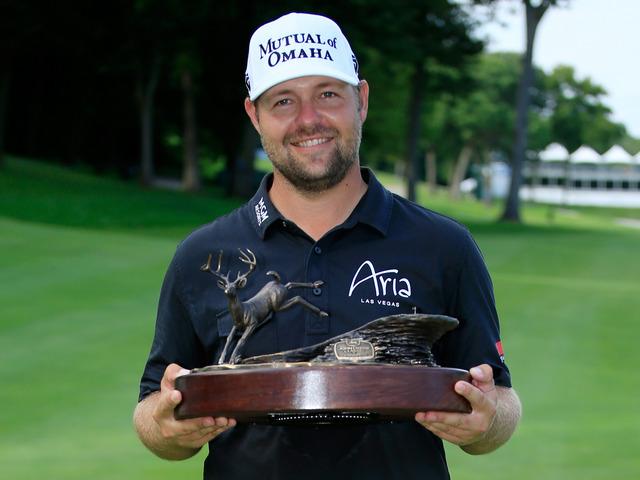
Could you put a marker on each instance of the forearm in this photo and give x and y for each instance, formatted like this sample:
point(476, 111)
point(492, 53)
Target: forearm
point(150, 433)
point(508, 413)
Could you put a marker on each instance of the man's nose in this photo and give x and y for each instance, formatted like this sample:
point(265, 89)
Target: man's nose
point(308, 113)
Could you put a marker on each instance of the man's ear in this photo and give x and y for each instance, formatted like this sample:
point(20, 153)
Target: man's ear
point(250, 108)
point(364, 99)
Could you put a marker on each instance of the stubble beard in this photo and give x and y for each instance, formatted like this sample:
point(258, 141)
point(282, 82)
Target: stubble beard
point(304, 179)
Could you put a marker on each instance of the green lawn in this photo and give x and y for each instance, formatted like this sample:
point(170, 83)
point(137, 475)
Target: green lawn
point(82, 260)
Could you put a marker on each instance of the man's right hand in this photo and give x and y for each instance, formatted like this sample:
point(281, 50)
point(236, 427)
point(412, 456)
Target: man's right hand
point(162, 433)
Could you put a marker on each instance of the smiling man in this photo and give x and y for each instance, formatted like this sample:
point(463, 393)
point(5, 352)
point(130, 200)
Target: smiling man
point(321, 215)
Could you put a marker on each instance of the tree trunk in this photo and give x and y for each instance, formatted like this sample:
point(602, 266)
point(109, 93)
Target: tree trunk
point(146, 94)
point(191, 178)
point(4, 91)
point(512, 205)
point(415, 125)
point(244, 175)
point(485, 174)
point(431, 170)
point(459, 171)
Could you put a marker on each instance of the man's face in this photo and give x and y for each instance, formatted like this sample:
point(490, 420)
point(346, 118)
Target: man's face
point(311, 129)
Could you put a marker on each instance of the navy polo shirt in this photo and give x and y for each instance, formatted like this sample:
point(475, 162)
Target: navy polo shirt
point(389, 257)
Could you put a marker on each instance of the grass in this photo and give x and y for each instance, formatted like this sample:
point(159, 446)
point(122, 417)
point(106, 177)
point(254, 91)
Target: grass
point(81, 263)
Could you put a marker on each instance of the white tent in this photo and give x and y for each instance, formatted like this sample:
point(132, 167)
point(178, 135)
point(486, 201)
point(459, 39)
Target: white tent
point(585, 154)
point(617, 155)
point(554, 153)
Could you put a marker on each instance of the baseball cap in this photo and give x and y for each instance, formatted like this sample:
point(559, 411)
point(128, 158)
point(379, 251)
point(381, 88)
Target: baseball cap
point(298, 45)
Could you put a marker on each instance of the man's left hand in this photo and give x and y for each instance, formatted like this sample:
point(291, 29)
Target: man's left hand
point(466, 428)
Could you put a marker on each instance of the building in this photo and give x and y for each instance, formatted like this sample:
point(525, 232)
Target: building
point(583, 177)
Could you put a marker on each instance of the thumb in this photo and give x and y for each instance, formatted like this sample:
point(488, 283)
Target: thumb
point(172, 372)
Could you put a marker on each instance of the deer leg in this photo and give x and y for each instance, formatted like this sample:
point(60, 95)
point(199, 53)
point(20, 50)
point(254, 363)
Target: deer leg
point(301, 301)
point(235, 355)
point(315, 284)
point(226, 345)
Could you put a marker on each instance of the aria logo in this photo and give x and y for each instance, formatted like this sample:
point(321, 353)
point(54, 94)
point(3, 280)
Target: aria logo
point(385, 284)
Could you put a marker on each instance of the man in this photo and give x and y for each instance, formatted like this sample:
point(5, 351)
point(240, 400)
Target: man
point(321, 216)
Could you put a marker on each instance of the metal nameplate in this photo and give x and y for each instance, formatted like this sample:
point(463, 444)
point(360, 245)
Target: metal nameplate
point(354, 349)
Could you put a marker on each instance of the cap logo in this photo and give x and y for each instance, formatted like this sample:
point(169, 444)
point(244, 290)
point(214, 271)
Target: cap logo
point(314, 46)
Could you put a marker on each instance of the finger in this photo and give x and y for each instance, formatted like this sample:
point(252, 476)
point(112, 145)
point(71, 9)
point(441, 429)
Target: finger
point(482, 376)
point(204, 430)
point(471, 392)
point(200, 427)
point(452, 427)
point(457, 437)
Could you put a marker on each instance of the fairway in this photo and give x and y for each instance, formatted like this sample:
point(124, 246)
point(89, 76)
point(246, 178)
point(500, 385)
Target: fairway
point(77, 318)
point(569, 303)
point(78, 308)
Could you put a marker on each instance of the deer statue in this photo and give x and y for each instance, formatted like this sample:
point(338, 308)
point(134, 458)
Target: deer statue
point(251, 313)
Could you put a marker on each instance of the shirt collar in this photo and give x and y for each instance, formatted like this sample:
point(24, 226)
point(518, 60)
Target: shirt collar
point(262, 213)
point(375, 206)
point(374, 209)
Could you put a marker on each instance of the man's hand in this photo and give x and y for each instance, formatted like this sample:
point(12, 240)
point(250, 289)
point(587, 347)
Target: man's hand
point(494, 416)
point(162, 433)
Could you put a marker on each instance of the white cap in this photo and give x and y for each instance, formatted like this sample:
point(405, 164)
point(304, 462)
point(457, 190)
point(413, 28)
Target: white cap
point(298, 45)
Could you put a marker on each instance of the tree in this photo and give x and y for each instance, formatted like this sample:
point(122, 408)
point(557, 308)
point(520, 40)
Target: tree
point(533, 16)
point(484, 115)
point(408, 40)
point(579, 116)
point(478, 119)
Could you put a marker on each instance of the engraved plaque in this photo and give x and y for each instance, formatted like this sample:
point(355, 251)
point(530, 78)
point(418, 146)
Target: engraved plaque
point(353, 350)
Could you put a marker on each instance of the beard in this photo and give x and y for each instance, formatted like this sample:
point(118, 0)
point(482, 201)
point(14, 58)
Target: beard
point(305, 179)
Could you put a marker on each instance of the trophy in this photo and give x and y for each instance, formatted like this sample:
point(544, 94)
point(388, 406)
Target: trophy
point(383, 371)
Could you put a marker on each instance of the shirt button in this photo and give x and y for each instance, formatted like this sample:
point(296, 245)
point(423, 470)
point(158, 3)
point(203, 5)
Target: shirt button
point(317, 291)
point(318, 250)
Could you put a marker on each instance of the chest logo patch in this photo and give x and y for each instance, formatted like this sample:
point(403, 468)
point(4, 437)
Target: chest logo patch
point(385, 284)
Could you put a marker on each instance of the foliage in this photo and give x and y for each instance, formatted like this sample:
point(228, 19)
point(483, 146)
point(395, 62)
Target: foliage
point(563, 109)
point(630, 144)
point(74, 80)
point(580, 117)
point(85, 76)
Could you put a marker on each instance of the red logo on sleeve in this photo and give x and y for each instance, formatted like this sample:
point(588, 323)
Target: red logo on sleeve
point(500, 351)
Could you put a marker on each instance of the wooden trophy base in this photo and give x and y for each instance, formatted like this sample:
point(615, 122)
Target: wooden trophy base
point(304, 393)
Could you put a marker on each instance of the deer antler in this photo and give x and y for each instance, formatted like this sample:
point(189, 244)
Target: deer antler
point(207, 266)
point(251, 261)
point(224, 281)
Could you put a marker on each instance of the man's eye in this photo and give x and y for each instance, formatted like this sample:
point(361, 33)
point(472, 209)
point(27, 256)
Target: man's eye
point(328, 94)
point(284, 101)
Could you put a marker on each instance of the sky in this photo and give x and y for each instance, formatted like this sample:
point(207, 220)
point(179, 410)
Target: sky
point(599, 38)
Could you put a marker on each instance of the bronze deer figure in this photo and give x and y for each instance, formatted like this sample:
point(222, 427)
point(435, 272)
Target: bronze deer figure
point(251, 313)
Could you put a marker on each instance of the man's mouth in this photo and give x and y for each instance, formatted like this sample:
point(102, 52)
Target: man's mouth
point(312, 142)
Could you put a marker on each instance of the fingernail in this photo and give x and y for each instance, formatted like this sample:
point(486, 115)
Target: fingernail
point(183, 371)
